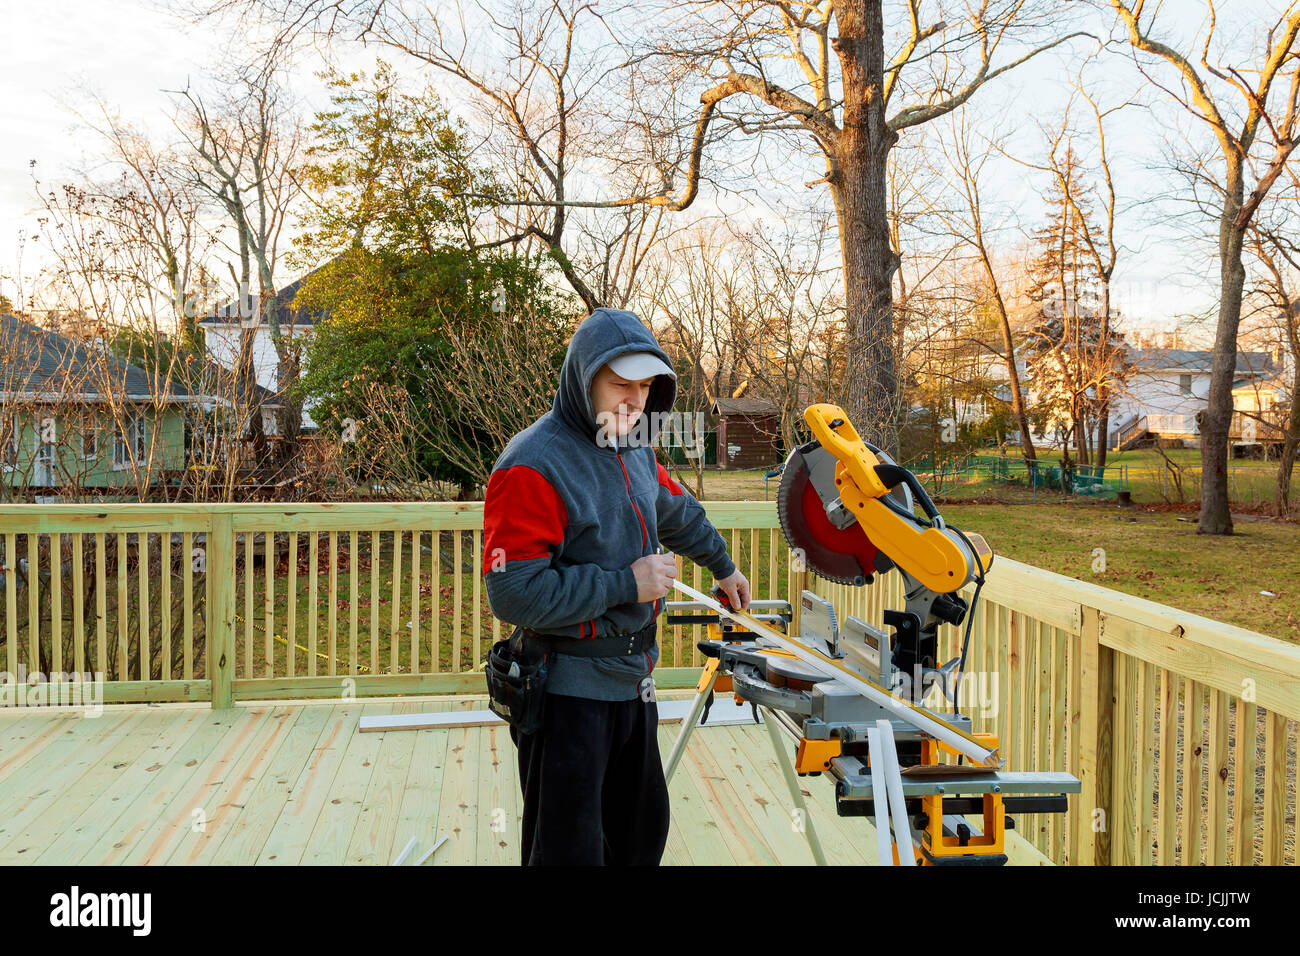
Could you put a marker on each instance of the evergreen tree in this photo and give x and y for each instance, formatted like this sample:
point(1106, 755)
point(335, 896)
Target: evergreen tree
point(420, 314)
point(1065, 350)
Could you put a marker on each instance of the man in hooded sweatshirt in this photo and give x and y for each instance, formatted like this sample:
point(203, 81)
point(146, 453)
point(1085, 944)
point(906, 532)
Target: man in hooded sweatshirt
point(576, 508)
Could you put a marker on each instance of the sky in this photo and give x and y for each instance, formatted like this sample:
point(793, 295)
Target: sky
point(130, 52)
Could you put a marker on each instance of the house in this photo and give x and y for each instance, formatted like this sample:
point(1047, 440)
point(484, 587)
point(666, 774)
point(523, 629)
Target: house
point(223, 333)
point(749, 432)
point(1167, 387)
point(72, 416)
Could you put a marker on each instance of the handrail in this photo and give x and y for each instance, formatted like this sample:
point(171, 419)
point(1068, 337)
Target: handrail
point(1079, 677)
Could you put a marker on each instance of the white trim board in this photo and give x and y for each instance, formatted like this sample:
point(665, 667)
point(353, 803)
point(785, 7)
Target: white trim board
point(723, 713)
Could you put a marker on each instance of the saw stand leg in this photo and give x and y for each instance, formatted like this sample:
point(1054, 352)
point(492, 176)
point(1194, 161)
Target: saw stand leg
point(697, 707)
point(792, 781)
point(782, 759)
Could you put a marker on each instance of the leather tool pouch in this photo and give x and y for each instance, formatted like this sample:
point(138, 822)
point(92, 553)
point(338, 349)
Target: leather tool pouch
point(516, 680)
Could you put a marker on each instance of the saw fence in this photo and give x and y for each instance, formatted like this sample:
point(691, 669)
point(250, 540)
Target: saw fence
point(1181, 729)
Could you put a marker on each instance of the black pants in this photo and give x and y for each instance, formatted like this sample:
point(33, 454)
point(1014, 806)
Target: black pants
point(593, 782)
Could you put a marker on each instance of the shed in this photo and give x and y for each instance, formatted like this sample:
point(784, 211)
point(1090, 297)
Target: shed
point(749, 432)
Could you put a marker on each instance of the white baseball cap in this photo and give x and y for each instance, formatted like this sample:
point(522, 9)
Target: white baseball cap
point(635, 366)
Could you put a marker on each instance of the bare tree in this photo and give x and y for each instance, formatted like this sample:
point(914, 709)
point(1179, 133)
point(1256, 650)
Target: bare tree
point(1101, 248)
point(758, 52)
point(1275, 246)
point(970, 227)
point(246, 151)
point(1209, 91)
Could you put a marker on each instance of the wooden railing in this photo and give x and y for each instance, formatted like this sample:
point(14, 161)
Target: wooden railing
point(222, 602)
point(240, 602)
point(1133, 428)
point(1268, 425)
point(1081, 678)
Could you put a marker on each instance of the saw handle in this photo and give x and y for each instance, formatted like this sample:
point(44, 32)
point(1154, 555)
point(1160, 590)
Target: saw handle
point(894, 475)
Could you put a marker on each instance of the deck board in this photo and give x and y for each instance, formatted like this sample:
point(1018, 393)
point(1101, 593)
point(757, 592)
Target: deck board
point(294, 782)
point(240, 840)
point(187, 802)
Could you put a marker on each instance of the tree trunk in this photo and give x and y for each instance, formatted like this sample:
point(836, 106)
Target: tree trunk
point(858, 188)
point(1291, 439)
point(1103, 395)
point(1009, 350)
point(1216, 518)
point(290, 407)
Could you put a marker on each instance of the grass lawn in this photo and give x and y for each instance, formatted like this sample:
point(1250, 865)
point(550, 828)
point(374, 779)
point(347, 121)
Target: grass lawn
point(1157, 556)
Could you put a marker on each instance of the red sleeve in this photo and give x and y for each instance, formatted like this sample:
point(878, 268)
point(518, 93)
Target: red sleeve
point(666, 480)
point(523, 517)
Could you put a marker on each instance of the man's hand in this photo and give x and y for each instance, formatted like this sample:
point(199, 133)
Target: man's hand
point(736, 587)
point(654, 576)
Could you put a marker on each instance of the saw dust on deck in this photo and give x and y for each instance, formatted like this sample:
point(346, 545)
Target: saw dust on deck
point(295, 783)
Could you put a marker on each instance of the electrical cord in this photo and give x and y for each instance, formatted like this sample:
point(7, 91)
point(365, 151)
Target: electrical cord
point(970, 620)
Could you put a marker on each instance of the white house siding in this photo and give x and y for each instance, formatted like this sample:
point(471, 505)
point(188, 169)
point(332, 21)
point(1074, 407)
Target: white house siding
point(1158, 392)
point(222, 343)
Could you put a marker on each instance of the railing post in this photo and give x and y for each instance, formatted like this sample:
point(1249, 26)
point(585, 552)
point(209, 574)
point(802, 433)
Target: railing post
point(1097, 723)
point(220, 624)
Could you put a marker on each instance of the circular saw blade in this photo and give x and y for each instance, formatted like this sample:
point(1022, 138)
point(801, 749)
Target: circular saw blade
point(842, 555)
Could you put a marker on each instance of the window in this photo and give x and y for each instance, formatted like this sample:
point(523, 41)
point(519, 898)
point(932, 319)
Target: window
point(89, 436)
point(1185, 384)
point(9, 443)
point(128, 443)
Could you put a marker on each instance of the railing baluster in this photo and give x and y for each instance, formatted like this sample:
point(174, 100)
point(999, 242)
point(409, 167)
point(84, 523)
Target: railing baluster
point(1274, 816)
point(456, 601)
point(142, 569)
point(268, 639)
point(56, 605)
point(313, 597)
point(436, 597)
point(352, 602)
point(78, 605)
point(395, 643)
point(187, 575)
point(1168, 750)
point(220, 617)
point(11, 602)
point(33, 604)
point(1193, 727)
point(248, 603)
point(333, 604)
point(478, 598)
point(291, 609)
point(164, 602)
point(415, 601)
point(374, 602)
point(1243, 784)
point(1216, 850)
point(123, 612)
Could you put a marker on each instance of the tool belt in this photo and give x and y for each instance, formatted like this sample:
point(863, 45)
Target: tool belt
point(519, 665)
point(516, 681)
point(634, 642)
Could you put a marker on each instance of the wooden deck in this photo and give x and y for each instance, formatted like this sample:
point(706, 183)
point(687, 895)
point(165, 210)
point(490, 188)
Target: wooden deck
point(295, 783)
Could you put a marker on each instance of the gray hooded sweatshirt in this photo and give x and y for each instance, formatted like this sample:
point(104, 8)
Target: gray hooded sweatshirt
point(566, 515)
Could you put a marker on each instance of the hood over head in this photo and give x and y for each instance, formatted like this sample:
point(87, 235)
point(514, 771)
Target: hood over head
point(604, 335)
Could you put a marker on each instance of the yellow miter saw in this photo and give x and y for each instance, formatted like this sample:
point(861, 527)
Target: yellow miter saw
point(848, 512)
point(852, 697)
